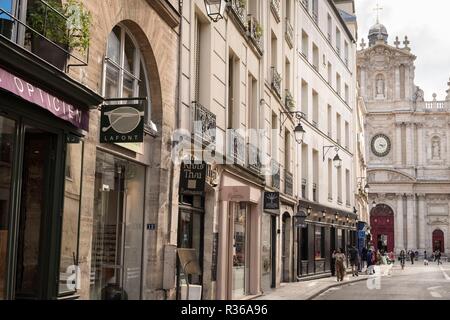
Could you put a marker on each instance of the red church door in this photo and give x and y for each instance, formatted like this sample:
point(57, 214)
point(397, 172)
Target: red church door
point(382, 228)
point(438, 240)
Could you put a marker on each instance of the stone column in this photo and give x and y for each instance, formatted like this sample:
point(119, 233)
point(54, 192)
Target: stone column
point(422, 212)
point(399, 237)
point(409, 144)
point(397, 83)
point(411, 242)
point(398, 144)
point(420, 149)
point(363, 82)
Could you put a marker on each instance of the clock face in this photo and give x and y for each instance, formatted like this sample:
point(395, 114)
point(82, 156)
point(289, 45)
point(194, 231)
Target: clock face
point(381, 145)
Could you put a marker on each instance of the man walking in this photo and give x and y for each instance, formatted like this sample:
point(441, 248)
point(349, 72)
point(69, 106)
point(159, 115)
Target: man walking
point(438, 257)
point(412, 256)
point(354, 261)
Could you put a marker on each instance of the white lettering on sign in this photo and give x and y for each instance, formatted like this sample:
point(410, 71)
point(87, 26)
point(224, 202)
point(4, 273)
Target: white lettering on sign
point(19, 84)
point(30, 89)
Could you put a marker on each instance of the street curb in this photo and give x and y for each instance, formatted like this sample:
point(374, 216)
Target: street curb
point(339, 284)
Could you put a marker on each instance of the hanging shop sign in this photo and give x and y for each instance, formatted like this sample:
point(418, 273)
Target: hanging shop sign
point(271, 201)
point(122, 123)
point(75, 115)
point(192, 178)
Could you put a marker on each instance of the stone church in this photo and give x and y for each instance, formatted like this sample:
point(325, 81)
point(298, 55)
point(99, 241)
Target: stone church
point(408, 148)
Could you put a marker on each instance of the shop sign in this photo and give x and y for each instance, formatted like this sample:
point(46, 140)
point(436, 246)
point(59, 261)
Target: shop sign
point(271, 201)
point(192, 178)
point(122, 123)
point(77, 116)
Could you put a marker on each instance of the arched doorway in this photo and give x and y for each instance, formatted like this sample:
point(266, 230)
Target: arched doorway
point(438, 240)
point(285, 256)
point(382, 225)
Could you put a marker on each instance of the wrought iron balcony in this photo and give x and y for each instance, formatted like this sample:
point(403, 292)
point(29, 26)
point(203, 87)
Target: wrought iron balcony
point(275, 174)
point(289, 100)
point(305, 4)
point(276, 82)
point(289, 33)
point(204, 125)
point(254, 158)
point(275, 5)
point(288, 183)
point(236, 147)
point(239, 9)
point(255, 33)
point(44, 33)
point(315, 16)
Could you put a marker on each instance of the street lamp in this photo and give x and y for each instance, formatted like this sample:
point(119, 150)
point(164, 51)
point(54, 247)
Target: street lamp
point(299, 133)
point(215, 9)
point(374, 204)
point(336, 216)
point(309, 210)
point(336, 160)
point(324, 213)
point(300, 218)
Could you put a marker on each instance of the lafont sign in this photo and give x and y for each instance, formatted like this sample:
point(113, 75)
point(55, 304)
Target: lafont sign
point(122, 123)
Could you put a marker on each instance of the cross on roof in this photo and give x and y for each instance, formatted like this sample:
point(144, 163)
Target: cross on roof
point(406, 42)
point(363, 44)
point(397, 42)
point(378, 9)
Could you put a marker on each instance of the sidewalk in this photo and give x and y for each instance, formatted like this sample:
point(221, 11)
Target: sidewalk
point(308, 290)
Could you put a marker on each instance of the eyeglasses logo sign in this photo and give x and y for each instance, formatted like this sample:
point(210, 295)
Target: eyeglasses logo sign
point(122, 123)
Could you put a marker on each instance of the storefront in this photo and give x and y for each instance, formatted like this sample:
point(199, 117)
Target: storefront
point(325, 230)
point(41, 161)
point(239, 259)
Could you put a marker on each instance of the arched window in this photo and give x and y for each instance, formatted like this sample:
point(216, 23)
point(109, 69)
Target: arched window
point(124, 74)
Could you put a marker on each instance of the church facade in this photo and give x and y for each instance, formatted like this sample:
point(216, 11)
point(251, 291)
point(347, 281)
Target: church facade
point(408, 148)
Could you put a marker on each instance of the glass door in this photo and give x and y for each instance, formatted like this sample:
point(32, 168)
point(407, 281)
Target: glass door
point(240, 250)
point(7, 149)
point(35, 210)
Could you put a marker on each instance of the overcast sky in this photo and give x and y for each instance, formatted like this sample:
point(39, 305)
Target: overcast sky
point(427, 25)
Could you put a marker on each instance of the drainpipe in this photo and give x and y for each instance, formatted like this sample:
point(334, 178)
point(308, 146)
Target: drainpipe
point(177, 115)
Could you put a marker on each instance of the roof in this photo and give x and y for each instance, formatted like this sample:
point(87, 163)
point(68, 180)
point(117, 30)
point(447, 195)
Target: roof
point(347, 16)
point(344, 25)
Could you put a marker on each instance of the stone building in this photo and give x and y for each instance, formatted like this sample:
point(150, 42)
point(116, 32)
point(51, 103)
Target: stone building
point(407, 143)
point(82, 218)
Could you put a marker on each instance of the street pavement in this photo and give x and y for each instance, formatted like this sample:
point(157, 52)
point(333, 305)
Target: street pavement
point(415, 282)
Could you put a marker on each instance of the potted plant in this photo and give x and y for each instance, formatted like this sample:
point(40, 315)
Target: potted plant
point(66, 25)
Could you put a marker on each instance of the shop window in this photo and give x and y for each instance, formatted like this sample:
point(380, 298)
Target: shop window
point(124, 74)
point(304, 244)
point(319, 243)
point(116, 258)
point(68, 275)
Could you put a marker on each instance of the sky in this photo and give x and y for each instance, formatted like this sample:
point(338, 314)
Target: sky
point(427, 25)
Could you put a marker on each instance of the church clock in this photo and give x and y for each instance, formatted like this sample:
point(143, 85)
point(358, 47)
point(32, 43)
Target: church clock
point(381, 145)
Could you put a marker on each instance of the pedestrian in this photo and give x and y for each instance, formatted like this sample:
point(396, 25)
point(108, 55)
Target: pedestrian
point(391, 257)
point(402, 258)
point(369, 259)
point(425, 257)
point(340, 269)
point(412, 256)
point(354, 261)
point(438, 257)
point(333, 263)
point(378, 260)
point(416, 254)
point(363, 257)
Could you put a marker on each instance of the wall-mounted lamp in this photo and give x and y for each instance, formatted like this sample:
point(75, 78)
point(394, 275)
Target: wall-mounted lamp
point(361, 186)
point(336, 160)
point(216, 9)
point(299, 131)
point(309, 210)
point(324, 213)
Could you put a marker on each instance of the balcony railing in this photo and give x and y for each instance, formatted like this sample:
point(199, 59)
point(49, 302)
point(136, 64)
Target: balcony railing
point(255, 33)
point(50, 43)
point(315, 16)
point(204, 126)
point(288, 183)
point(434, 106)
point(275, 174)
point(289, 33)
point(289, 100)
point(239, 9)
point(275, 6)
point(276, 82)
point(254, 158)
point(305, 4)
point(236, 147)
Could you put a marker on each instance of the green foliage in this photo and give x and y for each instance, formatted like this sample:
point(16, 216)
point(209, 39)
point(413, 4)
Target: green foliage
point(67, 24)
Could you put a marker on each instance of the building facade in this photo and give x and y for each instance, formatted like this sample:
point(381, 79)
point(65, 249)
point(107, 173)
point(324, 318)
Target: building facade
point(83, 217)
point(407, 146)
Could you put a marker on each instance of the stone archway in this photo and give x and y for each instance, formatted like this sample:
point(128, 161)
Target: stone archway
point(438, 240)
point(382, 227)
